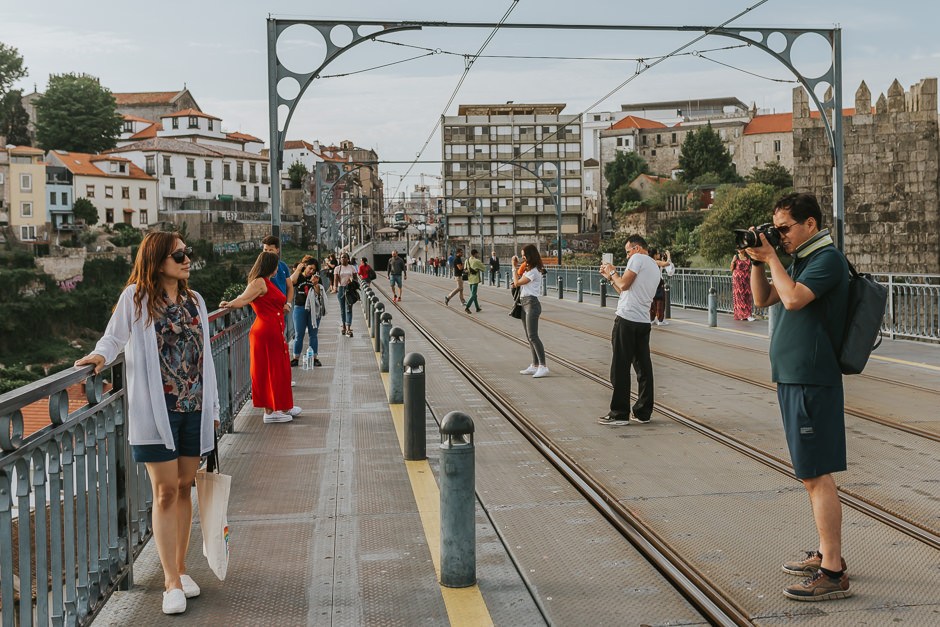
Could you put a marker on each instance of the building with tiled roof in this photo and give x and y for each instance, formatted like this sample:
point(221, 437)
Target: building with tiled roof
point(121, 191)
point(151, 105)
point(27, 194)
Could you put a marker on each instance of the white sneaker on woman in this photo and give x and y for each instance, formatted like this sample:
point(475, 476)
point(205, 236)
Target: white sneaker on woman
point(277, 416)
point(174, 601)
point(190, 587)
point(530, 370)
point(294, 411)
point(541, 371)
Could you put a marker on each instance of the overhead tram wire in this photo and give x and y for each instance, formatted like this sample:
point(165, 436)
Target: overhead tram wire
point(469, 64)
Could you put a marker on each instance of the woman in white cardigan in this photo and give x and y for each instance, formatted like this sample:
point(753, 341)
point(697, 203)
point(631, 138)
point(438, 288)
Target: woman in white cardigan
point(173, 405)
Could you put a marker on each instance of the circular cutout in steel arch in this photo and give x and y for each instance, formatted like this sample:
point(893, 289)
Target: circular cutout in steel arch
point(300, 48)
point(288, 88)
point(811, 55)
point(341, 35)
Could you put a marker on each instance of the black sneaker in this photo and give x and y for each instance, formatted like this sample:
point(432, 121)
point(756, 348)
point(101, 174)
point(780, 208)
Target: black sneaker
point(819, 587)
point(613, 421)
point(316, 362)
point(634, 418)
point(294, 363)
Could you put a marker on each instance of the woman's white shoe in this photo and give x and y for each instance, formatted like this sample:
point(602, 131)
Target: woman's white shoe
point(530, 370)
point(174, 601)
point(190, 587)
point(541, 371)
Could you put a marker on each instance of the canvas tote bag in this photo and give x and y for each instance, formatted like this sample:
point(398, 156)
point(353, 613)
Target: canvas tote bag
point(212, 491)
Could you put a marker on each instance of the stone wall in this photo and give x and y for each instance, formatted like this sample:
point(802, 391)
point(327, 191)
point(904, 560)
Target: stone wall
point(892, 176)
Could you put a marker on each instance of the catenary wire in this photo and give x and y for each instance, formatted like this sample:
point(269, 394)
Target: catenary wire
point(377, 67)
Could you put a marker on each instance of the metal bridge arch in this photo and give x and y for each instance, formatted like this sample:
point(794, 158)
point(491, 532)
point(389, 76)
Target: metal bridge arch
point(364, 30)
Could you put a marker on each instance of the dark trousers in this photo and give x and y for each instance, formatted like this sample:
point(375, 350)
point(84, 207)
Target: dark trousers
point(493, 273)
point(631, 344)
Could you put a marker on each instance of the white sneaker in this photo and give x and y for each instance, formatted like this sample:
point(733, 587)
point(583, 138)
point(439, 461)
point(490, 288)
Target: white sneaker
point(656, 322)
point(530, 370)
point(277, 416)
point(663, 323)
point(190, 588)
point(294, 411)
point(541, 371)
point(174, 601)
point(751, 318)
point(293, 384)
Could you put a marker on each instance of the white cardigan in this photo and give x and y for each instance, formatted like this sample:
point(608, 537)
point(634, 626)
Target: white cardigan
point(148, 421)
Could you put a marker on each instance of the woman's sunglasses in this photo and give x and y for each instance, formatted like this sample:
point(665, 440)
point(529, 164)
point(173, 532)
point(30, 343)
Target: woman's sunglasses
point(179, 255)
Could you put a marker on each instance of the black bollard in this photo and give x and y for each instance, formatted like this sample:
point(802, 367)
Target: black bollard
point(377, 325)
point(458, 502)
point(414, 398)
point(668, 305)
point(561, 287)
point(384, 334)
point(603, 293)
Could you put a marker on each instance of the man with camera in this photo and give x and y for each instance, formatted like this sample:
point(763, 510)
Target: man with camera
point(804, 351)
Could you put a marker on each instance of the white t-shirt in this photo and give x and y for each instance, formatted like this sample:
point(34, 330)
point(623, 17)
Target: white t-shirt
point(634, 303)
point(534, 286)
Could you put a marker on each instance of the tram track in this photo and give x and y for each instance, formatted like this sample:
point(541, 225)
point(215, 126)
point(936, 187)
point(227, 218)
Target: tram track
point(910, 527)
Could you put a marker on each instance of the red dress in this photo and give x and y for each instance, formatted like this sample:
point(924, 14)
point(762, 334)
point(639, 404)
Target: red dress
point(741, 288)
point(270, 362)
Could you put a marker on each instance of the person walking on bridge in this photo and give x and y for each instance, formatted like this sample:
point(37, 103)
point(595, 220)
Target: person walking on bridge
point(630, 337)
point(475, 270)
point(172, 395)
point(494, 267)
point(396, 271)
point(804, 363)
point(460, 275)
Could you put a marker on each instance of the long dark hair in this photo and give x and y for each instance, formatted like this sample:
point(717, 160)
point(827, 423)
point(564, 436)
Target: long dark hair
point(532, 257)
point(154, 249)
point(265, 266)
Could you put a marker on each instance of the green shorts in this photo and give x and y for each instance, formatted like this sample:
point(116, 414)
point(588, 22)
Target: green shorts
point(814, 424)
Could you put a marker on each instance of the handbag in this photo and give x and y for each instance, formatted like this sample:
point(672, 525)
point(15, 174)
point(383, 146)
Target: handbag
point(212, 491)
point(516, 311)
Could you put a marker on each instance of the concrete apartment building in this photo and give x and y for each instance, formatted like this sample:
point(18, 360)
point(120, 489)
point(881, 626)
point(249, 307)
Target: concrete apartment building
point(27, 194)
point(481, 184)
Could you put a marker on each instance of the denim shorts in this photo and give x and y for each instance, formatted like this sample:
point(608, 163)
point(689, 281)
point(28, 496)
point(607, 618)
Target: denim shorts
point(814, 424)
point(394, 279)
point(187, 436)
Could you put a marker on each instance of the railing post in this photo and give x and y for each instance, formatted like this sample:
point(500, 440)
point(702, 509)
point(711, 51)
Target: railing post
point(561, 287)
point(668, 302)
point(396, 355)
point(544, 286)
point(383, 337)
point(377, 312)
point(499, 279)
point(508, 279)
point(458, 502)
point(580, 289)
point(712, 307)
point(603, 293)
point(414, 399)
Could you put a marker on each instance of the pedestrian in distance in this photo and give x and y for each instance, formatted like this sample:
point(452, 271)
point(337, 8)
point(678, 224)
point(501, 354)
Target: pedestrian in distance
point(475, 270)
point(494, 267)
point(329, 268)
point(804, 351)
point(172, 395)
point(281, 279)
point(366, 272)
point(741, 287)
point(630, 337)
point(460, 275)
point(302, 280)
point(658, 308)
point(344, 283)
point(316, 309)
point(397, 270)
point(530, 287)
point(269, 356)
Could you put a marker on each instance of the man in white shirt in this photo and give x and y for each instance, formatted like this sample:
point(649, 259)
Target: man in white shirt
point(630, 337)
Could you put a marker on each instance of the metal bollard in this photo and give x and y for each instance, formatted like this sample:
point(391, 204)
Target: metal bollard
point(458, 502)
point(603, 293)
point(544, 287)
point(580, 290)
point(369, 314)
point(712, 307)
point(508, 280)
point(668, 306)
point(396, 354)
point(384, 329)
point(377, 312)
point(414, 399)
point(561, 287)
point(499, 280)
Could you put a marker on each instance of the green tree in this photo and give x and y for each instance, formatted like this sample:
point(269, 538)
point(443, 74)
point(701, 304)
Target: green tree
point(771, 173)
point(11, 67)
point(84, 210)
point(14, 121)
point(734, 208)
point(703, 153)
point(619, 173)
point(296, 173)
point(77, 114)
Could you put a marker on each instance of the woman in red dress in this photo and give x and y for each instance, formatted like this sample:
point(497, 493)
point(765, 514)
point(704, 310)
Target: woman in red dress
point(270, 358)
point(741, 286)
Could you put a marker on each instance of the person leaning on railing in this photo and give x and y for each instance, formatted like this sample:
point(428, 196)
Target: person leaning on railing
point(173, 403)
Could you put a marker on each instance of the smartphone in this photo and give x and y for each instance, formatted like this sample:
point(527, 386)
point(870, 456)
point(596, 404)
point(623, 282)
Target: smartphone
point(607, 258)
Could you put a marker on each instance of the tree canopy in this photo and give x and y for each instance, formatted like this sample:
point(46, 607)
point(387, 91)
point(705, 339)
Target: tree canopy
point(703, 153)
point(77, 114)
point(14, 121)
point(771, 173)
point(11, 67)
point(83, 209)
point(619, 173)
point(296, 173)
point(734, 208)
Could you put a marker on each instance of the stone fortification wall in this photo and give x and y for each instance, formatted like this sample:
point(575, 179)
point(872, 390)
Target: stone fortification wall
point(892, 176)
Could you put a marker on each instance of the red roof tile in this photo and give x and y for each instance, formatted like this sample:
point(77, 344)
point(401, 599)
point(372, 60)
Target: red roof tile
point(145, 98)
point(135, 118)
point(189, 112)
point(772, 123)
point(148, 133)
point(632, 121)
point(297, 144)
point(82, 164)
point(245, 137)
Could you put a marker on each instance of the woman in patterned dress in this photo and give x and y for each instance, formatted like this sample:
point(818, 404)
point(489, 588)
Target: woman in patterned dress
point(741, 286)
point(270, 358)
point(173, 405)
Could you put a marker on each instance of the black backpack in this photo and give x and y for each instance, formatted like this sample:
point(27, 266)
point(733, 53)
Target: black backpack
point(371, 274)
point(864, 315)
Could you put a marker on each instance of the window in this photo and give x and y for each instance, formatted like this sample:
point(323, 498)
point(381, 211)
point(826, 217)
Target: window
point(144, 218)
point(126, 193)
point(644, 140)
point(244, 191)
point(209, 122)
point(252, 173)
point(777, 145)
point(176, 123)
point(26, 182)
point(757, 147)
point(257, 193)
point(65, 198)
point(240, 172)
point(675, 136)
point(51, 198)
point(208, 187)
point(26, 209)
point(167, 171)
point(195, 185)
point(227, 171)
point(191, 168)
point(89, 191)
point(208, 170)
point(128, 126)
point(150, 167)
point(108, 191)
point(193, 121)
point(27, 233)
point(264, 175)
point(653, 152)
point(659, 139)
point(172, 183)
point(143, 193)
point(109, 216)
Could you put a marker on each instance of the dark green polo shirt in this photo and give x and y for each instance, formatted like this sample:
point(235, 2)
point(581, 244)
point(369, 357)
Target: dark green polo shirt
point(805, 343)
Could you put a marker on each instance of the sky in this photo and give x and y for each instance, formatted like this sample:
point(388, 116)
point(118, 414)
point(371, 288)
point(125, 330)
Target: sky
point(218, 50)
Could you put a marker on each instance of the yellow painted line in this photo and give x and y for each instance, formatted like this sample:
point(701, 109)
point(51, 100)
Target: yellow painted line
point(465, 606)
point(705, 325)
point(904, 362)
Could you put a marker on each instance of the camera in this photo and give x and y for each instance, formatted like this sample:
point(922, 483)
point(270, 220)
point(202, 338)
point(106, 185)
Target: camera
point(744, 238)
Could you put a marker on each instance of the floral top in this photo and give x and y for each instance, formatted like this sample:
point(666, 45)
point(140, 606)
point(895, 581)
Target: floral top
point(180, 346)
